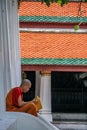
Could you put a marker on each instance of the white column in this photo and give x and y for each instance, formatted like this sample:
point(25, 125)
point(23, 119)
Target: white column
point(45, 95)
point(10, 66)
point(2, 96)
point(10, 35)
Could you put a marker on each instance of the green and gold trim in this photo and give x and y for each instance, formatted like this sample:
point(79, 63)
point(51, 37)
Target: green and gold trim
point(54, 61)
point(53, 19)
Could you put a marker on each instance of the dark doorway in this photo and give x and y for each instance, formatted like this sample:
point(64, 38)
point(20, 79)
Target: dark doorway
point(69, 92)
point(31, 93)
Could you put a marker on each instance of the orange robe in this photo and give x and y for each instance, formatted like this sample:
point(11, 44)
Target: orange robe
point(30, 107)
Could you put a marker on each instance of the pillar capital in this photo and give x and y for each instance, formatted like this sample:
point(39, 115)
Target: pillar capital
point(45, 73)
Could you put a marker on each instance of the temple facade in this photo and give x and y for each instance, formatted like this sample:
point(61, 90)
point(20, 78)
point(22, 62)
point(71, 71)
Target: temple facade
point(54, 55)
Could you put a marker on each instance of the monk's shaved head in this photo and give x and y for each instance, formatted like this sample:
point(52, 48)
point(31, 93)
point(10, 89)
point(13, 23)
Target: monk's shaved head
point(26, 81)
point(25, 85)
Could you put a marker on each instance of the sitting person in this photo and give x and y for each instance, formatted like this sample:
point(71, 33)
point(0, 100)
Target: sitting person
point(14, 99)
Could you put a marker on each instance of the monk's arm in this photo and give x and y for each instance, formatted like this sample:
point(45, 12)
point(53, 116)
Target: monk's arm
point(21, 102)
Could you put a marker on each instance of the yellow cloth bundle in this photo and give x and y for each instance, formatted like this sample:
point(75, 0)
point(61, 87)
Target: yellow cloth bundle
point(38, 104)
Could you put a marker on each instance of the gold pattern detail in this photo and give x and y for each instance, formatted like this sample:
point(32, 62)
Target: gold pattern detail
point(45, 73)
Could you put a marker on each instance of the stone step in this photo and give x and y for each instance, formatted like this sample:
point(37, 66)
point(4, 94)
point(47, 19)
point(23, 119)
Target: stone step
point(70, 117)
point(70, 121)
point(70, 125)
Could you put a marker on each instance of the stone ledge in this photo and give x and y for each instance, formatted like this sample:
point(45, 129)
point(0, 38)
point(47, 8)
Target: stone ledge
point(23, 121)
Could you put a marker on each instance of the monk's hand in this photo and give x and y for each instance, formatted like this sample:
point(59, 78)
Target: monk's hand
point(35, 101)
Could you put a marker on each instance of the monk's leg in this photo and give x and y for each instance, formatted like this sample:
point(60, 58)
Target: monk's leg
point(28, 108)
point(32, 109)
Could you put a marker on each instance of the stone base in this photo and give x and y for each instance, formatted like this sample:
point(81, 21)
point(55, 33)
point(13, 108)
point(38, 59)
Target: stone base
point(46, 116)
point(23, 121)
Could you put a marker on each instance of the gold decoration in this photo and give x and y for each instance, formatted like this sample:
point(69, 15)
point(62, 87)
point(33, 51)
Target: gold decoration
point(43, 73)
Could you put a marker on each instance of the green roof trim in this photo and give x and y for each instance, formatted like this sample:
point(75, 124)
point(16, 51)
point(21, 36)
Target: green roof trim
point(54, 61)
point(52, 19)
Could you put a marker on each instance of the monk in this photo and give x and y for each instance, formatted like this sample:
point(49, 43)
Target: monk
point(14, 99)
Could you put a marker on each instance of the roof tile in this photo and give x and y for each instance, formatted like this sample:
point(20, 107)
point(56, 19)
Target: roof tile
point(38, 9)
point(53, 45)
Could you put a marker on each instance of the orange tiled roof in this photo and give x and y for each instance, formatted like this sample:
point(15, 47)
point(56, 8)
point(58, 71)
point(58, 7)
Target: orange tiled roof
point(53, 45)
point(38, 9)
